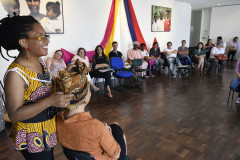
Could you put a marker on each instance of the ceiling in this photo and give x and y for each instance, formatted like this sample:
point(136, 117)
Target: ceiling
point(200, 4)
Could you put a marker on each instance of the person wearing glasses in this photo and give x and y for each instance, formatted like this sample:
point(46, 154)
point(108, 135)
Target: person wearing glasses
point(171, 55)
point(215, 52)
point(30, 90)
point(56, 63)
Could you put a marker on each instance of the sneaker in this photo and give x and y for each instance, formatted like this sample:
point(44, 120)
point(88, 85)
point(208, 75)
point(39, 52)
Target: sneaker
point(174, 77)
point(238, 100)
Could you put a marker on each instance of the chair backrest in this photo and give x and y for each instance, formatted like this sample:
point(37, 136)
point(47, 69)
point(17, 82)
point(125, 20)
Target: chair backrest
point(116, 62)
point(137, 62)
point(77, 155)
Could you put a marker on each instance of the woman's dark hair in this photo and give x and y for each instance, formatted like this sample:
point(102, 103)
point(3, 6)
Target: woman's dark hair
point(235, 38)
point(81, 49)
point(208, 40)
point(219, 37)
point(12, 29)
point(142, 44)
point(55, 7)
point(114, 42)
point(184, 41)
point(155, 43)
point(96, 54)
point(58, 51)
point(201, 44)
point(169, 43)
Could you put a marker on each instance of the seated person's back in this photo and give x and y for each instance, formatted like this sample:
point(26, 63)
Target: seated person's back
point(77, 130)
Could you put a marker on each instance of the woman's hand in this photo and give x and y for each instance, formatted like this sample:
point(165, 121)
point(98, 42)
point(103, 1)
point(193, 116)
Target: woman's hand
point(59, 99)
point(70, 66)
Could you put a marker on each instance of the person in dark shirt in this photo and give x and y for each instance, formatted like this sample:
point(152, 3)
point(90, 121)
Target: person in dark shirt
point(116, 53)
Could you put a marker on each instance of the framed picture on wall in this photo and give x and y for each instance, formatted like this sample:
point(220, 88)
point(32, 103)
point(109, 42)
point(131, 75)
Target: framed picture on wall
point(161, 19)
point(48, 12)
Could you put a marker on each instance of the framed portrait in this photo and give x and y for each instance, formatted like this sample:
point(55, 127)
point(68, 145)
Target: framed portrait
point(161, 19)
point(47, 12)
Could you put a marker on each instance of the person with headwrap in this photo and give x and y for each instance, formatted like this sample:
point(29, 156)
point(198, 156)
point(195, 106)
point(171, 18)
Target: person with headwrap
point(30, 90)
point(135, 53)
point(77, 129)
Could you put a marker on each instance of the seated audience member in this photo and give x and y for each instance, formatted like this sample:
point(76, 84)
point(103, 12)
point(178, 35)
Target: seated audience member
point(56, 63)
point(233, 47)
point(156, 55)
point(208, 46)
point(81, 56)
point(171, 54)
point(183, 54)
point(145, 54)
point(100, 62)
point(116, 53)
point(135, 53)
point(78, 130)
point(236, 81)
point(200, 57)
point(215, 52)
point(219, 38)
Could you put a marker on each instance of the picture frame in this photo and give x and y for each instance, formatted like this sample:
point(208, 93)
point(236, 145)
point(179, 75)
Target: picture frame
point(49, 13)
point(161, 19)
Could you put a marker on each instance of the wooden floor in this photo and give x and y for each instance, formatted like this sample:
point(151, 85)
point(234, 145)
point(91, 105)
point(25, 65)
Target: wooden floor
point(168, 119)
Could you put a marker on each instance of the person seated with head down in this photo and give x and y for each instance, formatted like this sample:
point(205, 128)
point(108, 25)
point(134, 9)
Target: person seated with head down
point(216, 52)
point(183, 54)
point(135, 53)
point(56, 63)
point(78, 130)
point(99, 65)
point(81, 56)
point(171, 54)
point(200, 55)
point(127, 67)
point(159, 58)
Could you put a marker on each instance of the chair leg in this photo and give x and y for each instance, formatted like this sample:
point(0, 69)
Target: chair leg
point(229, 96)
point(232, 96)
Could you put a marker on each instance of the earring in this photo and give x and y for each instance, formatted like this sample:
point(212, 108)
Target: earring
point(26, 49)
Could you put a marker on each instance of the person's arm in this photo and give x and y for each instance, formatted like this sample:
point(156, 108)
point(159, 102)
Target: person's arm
point(196, 53)
point(237, 70)
point(123, 58)
point(14, 92)
point(48, 62)
point(106, 140)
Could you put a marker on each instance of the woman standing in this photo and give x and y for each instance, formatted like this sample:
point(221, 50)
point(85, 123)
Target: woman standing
point(200, 55)
point(56, 63)
point(100, 61)
point(81, 56)
point(233, 47)
point(30, 90)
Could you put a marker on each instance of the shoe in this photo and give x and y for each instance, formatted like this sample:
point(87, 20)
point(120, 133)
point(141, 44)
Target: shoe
point(96, 89)
point(174, 77)
point(109, 93)
point(237, 101)
point(201, 73)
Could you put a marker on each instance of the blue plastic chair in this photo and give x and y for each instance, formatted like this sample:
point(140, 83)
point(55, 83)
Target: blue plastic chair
point(117, 64)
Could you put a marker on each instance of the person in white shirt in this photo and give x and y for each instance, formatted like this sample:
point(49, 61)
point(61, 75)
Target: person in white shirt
point(160, 26)
point(219, 38)
point(171, 55)
point(155, 23)
point(215, 52)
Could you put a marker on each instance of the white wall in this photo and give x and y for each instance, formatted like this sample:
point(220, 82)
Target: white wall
point(85, 23)
point(225, 22)
point(205, 25)
point(180, 27)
